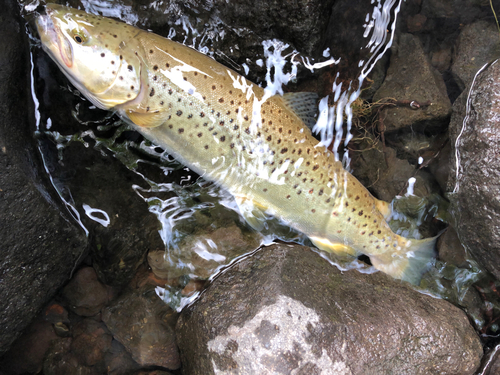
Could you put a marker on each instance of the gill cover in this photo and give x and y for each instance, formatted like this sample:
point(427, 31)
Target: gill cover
point(98, 55)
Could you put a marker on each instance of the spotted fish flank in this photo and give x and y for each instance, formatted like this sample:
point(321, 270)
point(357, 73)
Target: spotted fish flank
point(230, 131)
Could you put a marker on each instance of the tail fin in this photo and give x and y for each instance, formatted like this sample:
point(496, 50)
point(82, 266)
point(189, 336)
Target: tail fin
point(411, 263)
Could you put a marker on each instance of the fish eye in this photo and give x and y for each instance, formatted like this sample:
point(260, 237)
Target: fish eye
point(79, 37)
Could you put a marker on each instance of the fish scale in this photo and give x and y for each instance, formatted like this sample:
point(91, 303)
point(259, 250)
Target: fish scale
point(230, 131)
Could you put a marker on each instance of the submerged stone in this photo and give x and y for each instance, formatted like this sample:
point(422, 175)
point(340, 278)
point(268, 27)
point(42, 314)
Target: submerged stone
point(287, 310)
point(139, 321)
point(85, 295)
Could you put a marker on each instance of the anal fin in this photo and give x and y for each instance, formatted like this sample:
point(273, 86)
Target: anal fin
point(253, 213)
point(332, 247)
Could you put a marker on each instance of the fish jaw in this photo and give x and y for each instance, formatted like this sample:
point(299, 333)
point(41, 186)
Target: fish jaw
point(89, 51)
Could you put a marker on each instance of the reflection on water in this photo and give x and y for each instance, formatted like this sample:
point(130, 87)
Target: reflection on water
point(196, 216)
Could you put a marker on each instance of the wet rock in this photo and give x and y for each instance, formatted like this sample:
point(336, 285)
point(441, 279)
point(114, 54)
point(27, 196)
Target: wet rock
point(91, 350)
point(61, 361)
point(476, 46)
point(387, 176)
point(302, 23)
point(118, 360)
point(91, 339)
point(450, 249)
point(85, 295)
point(463, 10)
point(299, 313)
point(203, 253)
point(412, 77)
point(476, 187)
point(27, 353)
point(40, 244)
point(137, 320)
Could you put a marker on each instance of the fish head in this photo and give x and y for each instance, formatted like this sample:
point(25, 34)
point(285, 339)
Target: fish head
point(97, 54)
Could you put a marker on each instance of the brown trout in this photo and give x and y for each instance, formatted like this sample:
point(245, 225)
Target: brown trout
point(229, 131)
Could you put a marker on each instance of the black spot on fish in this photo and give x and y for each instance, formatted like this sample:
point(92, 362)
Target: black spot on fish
point(181, 130)
point(155, 67)
point(161, 103)
point(236, 127)
point(179, 113)
point(360, 213)
point(103, 54)
point(206, 147)
point(247, 130)
point(221, 100)
point(222, 139)
point(221, 123)
point(190, 116)
point(246, 117)
point(152, 92)
point(199, 135)
point(231, 145)
point(315, 167)
point(130, 68)
point(150, 51)
point(313, 210)
point(379, 231)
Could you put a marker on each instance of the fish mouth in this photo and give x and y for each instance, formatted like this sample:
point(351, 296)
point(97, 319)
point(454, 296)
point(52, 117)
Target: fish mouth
point(53, 39)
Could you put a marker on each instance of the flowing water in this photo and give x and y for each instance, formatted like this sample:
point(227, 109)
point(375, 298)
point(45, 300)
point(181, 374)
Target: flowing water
point(81, 145)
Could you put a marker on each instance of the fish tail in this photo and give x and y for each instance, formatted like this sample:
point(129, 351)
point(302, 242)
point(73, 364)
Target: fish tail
point(409, 264)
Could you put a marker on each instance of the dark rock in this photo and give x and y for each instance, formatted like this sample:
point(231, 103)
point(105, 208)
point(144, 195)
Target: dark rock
point(450, 249)
point(27, 353)
point(411, 77)
point(85, 295)
point(137, 320)
point(59, 360)
point(301, 23)
point(91, 350)
point(40, 245)
point(464, 10)
point(387, 176)
point(476, 46)
point(298, 312)
point(475, 138)
point(118, 360)
point(91, 340)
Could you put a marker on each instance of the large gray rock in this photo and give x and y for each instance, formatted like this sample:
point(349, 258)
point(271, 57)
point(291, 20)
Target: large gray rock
point(477, 45)
point(475, 138)
point(412, 77)
point(40, 246)
point(287, 310)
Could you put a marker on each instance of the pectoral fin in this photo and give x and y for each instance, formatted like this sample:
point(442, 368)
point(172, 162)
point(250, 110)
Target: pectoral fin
point(336, 248)
point(147, 120)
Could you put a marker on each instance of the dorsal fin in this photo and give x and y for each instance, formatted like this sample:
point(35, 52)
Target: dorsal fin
point(304, 104)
